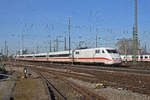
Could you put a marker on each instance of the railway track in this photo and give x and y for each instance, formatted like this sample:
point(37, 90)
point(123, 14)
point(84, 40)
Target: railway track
point(52, 89)
point(103, 69)
point(98, 68)
point(127, 80)
point(126, 84)
point(85, 94)
point(139, 69)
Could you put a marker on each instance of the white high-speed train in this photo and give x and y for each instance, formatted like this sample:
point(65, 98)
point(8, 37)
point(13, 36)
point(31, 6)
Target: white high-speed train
point(139, 58)
point(88, 55)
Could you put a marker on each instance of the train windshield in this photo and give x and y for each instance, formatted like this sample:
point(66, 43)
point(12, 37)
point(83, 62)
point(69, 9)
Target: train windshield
point(111, 51)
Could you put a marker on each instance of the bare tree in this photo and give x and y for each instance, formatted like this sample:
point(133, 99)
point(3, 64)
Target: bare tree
point(125, 46)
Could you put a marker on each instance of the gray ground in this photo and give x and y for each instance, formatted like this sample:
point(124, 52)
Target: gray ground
point(112, 93)
point(8, 87)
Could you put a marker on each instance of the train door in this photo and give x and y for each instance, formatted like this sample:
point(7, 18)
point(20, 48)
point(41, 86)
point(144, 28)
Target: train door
point(72, 56)
point(47, 56)
point(104, 55)
point(97, 56)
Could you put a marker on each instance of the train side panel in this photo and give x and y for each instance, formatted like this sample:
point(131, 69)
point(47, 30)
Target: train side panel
point(63, 56)
point(84, 56)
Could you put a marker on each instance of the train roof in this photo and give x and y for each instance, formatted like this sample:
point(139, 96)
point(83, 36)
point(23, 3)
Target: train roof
point(26, 55)
point(64, 52)
point(59, 52)
point(95, 48)
point(133, 55)
point(49, 53)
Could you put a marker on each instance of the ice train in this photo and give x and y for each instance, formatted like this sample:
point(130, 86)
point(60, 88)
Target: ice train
point(139, 58)
point(108, 56)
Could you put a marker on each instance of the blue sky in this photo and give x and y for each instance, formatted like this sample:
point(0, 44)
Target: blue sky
point(42, 20)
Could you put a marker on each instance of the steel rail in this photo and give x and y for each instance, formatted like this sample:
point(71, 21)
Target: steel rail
point(51, 86)
point(128, 86)
point(100, 68)
point(108, 83)
point(87, 94)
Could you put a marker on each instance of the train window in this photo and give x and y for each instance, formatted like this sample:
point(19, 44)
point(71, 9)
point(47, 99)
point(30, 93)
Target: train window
point(97, 51)
point(146, 57)
point(103, 51)
point(59, 55)
point(29, 56)
point(141, 57)
point(111, 51)
point(41, 56)
point(77, 52)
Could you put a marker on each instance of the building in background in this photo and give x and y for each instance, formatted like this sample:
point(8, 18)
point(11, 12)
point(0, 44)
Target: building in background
point(126, 47)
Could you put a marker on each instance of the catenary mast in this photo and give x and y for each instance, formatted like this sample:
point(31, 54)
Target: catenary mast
point(135, 32)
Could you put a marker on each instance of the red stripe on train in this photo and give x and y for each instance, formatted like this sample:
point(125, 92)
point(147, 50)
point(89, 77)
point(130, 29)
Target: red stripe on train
point(71, 58)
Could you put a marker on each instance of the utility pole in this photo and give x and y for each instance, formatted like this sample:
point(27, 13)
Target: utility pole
point(65, 42)
point(22, 42)
point(37, 49)
point(54, 45)
point(57, 44)
point(125, 50)
point(54, 49)
point(69, 33)
point(2, 51)
point(135, 32)
point(50, 46)
point(65, 48)
point(5, 48)
point(96, 37)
